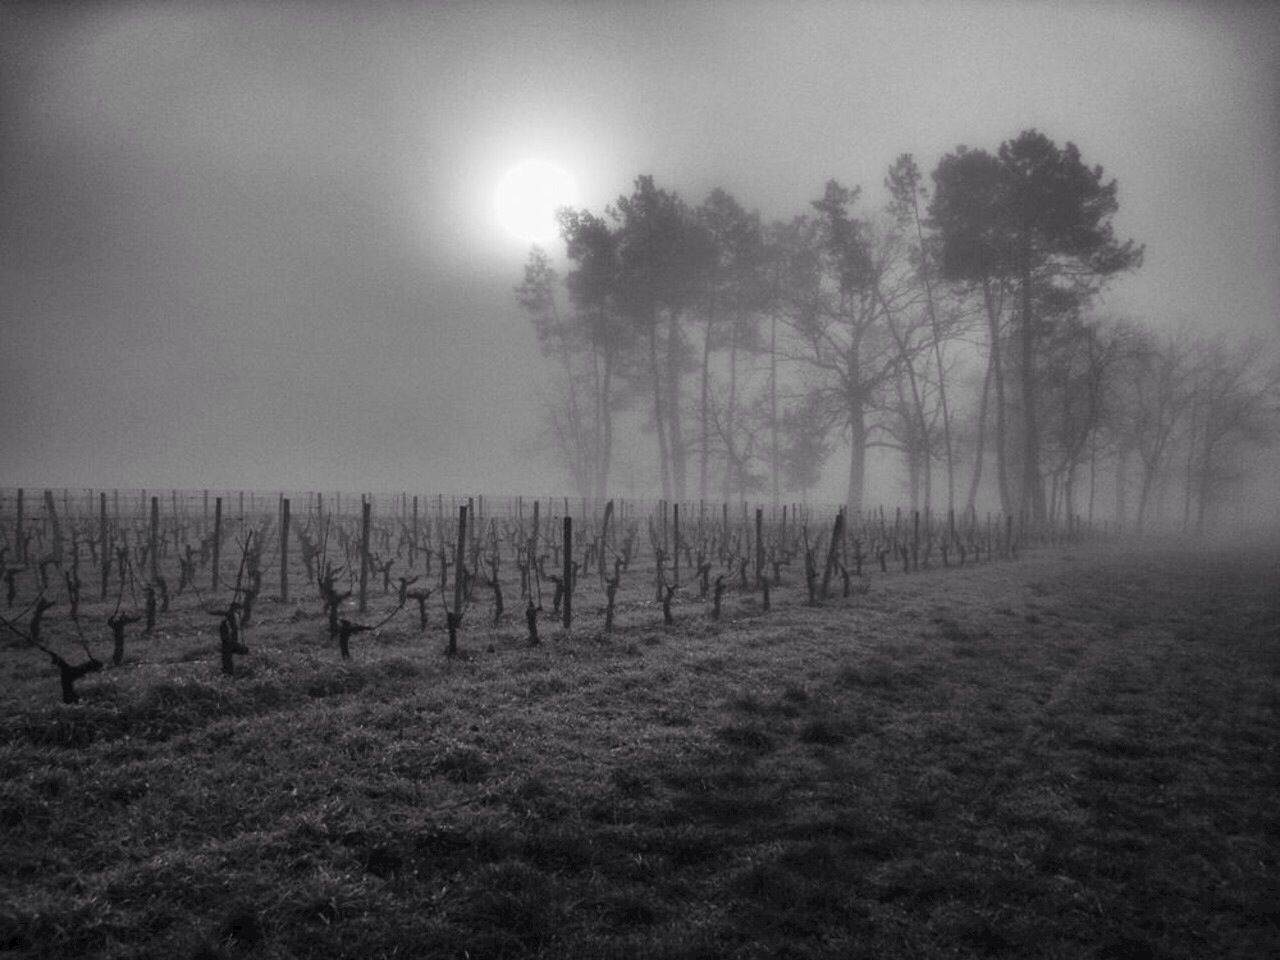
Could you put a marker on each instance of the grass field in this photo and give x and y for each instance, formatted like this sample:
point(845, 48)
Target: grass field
point(1072, 755)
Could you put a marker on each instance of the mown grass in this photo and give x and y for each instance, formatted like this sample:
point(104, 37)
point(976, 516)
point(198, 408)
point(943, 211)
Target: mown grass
point(1055, 758)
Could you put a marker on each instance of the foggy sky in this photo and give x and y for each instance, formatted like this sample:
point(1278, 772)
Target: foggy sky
point(250, 245)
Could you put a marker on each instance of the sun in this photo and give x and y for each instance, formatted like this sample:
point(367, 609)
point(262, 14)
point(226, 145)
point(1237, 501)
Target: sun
point(528, 195)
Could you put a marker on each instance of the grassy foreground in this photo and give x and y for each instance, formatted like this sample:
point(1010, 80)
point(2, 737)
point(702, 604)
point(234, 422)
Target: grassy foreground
point(1074, 755)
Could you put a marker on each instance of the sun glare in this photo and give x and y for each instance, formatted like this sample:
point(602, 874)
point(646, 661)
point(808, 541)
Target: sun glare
point(528, 196)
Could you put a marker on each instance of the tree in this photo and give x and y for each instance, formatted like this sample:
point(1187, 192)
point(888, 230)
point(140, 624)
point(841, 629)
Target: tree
point(1082, 357)
point(964, 212)
point(1156, 375)
point(837, 312)
point(592, 247)
point(1235, 400)
point(733, 294)
point(660, 257)
point(557, 339)
point(1037, 219)
point(907, 191)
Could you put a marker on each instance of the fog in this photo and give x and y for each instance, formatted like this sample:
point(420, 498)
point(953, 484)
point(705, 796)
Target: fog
point(254, 246)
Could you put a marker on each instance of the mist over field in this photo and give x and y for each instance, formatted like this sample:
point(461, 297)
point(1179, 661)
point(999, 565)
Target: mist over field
point(259, 247)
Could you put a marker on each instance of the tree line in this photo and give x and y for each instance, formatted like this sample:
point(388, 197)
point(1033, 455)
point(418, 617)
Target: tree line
point(956, 329)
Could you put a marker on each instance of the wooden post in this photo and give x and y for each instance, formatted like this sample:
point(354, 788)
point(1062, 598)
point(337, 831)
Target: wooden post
point(604, 536)
point(51, 517)
point(915, 540)
point(153, 544)
point(103, 546)
point(568, 570)
point(284, 551)
point(22, 540)
point(365, 508)
point(204, 514)
point(833, 552)
point(675, 544)
point(459, 558)
point(217, 538)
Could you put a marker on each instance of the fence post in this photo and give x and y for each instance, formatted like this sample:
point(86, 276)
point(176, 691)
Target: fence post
point(51, 517)
point(675, 544)
point(459, 558)
point(217, 538)
point(284, 550)
point(103, 545)
point(604, 537)
point(22, 541)
point(153, 544)
point(533, 537)
point(365, 507)
point(568, 570)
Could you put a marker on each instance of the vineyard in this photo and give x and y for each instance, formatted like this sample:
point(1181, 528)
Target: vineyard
point(218, 556)
point(298, 724)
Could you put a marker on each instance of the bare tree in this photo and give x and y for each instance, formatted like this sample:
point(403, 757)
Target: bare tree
point(908, 191)
point(570, 427)
point(1235, 400)
point(1082, 359)
point(733, 294)
point(836, 310)
point(1155, 371)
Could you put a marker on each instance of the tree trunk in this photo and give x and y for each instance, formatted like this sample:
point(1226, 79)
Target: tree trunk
point(703, 435)
point(913, 477)
point(1069, 493)
point(597, 423)
point(937, 353)
point(606, 416)
point(1002, 442)
point(1187, 485)
point(575, 421)
point(1144, 493)
point(1093, 473)
point(675, 436)
point(773, 407)
point(730, 463)
point(981, 443)
point(857, 462)
point(1032, 482)
point(664, 465)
